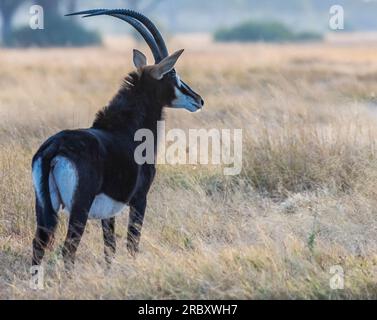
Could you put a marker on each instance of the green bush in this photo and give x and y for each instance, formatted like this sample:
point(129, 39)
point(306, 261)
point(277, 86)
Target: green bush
point(308, 36)
point(57, 31)
point(263, 31)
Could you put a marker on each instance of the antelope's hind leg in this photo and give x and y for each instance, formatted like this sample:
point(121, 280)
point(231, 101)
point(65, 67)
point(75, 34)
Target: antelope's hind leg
point(77, 189)
point(77, 223)
point(108, 228)
point(44, 234)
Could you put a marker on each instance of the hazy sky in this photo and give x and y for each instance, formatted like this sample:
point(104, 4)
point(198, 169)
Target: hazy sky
point(204, 16)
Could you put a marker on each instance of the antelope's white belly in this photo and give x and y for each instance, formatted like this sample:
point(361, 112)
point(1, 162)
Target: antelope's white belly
point(104, 207)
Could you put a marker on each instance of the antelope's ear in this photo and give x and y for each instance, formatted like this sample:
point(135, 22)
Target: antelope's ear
point(166, 65)
point(140, 60)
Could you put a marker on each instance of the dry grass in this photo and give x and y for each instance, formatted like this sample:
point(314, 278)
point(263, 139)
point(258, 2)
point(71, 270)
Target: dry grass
point(304, 201)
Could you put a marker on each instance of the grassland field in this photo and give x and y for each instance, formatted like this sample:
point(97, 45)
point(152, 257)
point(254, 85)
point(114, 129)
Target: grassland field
point(306, 199)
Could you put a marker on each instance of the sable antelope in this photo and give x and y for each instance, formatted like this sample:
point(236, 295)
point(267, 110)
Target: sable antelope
point(91, 173)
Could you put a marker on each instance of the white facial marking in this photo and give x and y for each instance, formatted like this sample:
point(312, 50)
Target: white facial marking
point(183, 101)
point(37, 180)
point(63, 182)
point(104, 207)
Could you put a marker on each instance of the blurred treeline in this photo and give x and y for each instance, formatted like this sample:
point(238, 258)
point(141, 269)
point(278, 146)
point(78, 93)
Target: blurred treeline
point(255, 31)
point(57, 30)
point(174, 16)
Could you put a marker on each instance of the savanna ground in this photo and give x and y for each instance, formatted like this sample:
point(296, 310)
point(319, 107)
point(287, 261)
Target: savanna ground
point(306, 199)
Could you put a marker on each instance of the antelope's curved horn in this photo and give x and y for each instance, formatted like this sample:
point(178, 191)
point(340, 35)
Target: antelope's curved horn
point(84, 12)
point(145, 33)
point(144, 20)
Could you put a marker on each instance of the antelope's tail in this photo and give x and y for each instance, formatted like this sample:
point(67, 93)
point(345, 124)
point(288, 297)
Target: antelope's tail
point(47, 217)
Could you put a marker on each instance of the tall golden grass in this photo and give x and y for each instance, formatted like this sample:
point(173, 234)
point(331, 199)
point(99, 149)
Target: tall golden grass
point(305, 200)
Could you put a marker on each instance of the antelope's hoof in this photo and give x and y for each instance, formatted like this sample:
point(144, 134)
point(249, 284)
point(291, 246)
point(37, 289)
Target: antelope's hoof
point(133, 250)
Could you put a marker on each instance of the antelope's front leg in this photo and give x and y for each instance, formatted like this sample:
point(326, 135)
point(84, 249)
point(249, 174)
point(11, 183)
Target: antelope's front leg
point(108, 227)
point(135, 223)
